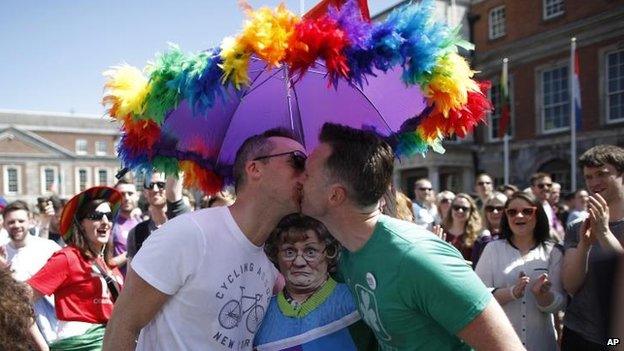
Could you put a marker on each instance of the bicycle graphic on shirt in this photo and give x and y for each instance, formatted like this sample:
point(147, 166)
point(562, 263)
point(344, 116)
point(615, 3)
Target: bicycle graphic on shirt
point(232, 312)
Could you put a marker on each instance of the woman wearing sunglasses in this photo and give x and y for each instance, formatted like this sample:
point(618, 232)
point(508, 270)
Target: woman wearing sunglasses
point(84, 286)
point(523, 268)
point(463, 224)
point(313, 311)
point(493, 209)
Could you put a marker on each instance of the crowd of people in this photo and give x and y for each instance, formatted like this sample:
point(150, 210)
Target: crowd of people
point(317, 252)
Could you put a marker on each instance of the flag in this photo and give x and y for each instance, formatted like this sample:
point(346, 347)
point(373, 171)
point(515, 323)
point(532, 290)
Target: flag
point(576, 86)
point(505, 109)
point(321, 8)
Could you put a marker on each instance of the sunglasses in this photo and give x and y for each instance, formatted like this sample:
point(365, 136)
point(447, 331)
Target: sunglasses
point(159, 185)
point(297, 159)
point(492, 208)
point(425, 189)
point(97, 216)
point(484, 183)
point(445, 201)
point(462, 208)
point(527, 211)
point(544, 185)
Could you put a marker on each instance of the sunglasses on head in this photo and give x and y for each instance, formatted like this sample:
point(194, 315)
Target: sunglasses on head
point(459, 207)
point(97, 216)
point(492, 208)
point(544, 185)
point(527, 211)
point(297, 159)
point(159, 185)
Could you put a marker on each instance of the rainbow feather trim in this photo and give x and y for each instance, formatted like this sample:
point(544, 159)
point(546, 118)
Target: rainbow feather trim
point(351, 48)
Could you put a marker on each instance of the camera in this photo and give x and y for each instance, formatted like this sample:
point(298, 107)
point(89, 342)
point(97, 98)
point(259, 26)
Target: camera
point(42, 202)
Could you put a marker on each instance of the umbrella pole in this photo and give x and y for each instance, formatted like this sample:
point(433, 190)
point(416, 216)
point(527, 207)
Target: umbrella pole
point(289, 98)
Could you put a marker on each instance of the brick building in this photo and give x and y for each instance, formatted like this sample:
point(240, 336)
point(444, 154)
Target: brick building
point(61, 153)
point(535, 35)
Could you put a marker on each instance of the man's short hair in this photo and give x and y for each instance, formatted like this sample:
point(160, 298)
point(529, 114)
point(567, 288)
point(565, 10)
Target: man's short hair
point(538, 175)
point(601, 155)
point(420, 180)
point(123, 181)
point(16, 205)
point(255, 146)
point(361, 159)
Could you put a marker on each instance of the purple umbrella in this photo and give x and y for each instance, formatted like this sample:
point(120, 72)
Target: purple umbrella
point(194, 111)
point(299, 103)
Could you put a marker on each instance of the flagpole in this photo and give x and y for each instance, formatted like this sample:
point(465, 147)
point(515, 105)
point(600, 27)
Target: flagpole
point(572, 115)
point(506, 135)
point(453, 19)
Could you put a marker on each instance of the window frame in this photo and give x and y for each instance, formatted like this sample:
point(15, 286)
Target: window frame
point(539, 101)
point(86, 147)
point(491, 34)
point(42, 179)
point(5, 179)
point(97, 176)
point(545, 4)
point(77, 178)
point(99, 152)
point(605, 85)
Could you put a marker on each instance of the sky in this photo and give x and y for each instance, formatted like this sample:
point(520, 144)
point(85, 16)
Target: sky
point(53, 52)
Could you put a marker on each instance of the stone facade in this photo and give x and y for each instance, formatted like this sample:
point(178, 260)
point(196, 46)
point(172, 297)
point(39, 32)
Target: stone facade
point(43, 153)
point(535, 45)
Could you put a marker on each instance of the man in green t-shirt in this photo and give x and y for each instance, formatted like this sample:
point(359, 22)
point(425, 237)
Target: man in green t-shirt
point(414, 290)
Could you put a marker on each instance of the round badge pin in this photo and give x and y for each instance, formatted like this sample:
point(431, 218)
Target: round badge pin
point(370, 279)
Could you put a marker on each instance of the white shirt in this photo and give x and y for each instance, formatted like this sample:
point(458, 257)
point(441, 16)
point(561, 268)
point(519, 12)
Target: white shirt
point(4, 237)
point(220, 283)
point(25, 262)
point(28, 260)
point(423, 216)
point(499, 267)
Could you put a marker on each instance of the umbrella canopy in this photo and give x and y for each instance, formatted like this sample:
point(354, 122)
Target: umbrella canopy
point(402, 78)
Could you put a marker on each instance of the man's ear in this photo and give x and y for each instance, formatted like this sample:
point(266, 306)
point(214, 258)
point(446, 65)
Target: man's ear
point(337, 195)
point(252, 170)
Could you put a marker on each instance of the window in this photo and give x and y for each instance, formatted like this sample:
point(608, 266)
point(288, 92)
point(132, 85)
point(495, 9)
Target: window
point(495, 116)
point(49, 179)
point(497, 22)
point(102, 176)
point(100, 148)
point(12, 180)
point(555, 100)
point(81, 147)
point(615, 86)
point(82, 179)
point(552, 8)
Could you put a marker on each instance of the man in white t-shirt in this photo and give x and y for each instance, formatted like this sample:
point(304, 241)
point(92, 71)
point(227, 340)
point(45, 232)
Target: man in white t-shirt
point(424, 207)
point(202, 280)
point(25, 254)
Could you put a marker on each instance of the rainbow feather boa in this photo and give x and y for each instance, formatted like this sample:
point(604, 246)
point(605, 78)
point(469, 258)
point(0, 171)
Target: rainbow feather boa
point(351, 48)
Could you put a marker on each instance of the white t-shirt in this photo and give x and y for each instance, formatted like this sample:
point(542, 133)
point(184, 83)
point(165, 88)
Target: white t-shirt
point(25, 262)
point(220, 283)
point(28, 260)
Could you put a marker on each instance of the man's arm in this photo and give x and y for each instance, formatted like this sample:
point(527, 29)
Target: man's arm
point(575, 258)
point(491, 330)
point(137, 305)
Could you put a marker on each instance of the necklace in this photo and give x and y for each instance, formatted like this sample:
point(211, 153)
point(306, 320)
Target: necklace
point(297, 304)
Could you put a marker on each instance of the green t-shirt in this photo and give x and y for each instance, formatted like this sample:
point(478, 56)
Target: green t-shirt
point(414, 290)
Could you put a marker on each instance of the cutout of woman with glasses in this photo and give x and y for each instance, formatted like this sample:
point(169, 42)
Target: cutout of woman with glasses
point(313, 311)
point(523, 270)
